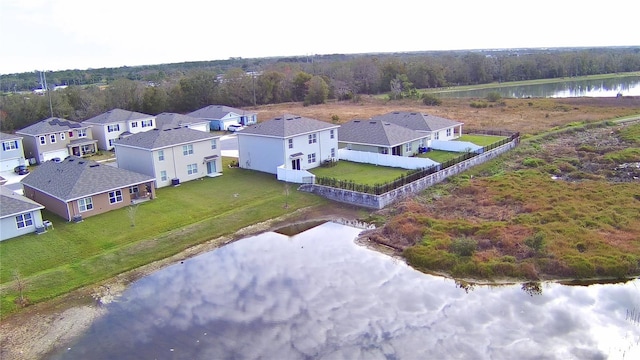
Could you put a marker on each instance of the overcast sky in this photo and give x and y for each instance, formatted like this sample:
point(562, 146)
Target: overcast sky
point(80, 34)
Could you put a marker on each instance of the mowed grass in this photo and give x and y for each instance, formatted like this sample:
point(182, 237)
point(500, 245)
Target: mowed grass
point(481, 140)
point(74, 255)
point(365, 174)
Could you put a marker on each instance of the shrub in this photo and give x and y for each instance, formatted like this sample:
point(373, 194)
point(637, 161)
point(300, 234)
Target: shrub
point(493, 96)
point(532, 162)
point(536, 242)
point(478, 104)
point(464, 246)
point(431, 100)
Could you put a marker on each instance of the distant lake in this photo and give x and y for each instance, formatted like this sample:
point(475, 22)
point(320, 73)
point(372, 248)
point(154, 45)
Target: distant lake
point(611, 87)
point(319, 295)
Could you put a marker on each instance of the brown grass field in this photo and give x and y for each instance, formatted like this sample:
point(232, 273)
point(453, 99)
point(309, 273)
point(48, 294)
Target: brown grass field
point(528, 116)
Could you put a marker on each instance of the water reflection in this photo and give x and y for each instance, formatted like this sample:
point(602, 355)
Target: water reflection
point(626, 86)
point(318, 295)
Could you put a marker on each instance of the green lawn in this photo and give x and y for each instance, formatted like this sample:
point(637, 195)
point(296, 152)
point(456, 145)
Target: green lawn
point(481, 140)
point(440, 155)
point(73, 255)
point(365, 174)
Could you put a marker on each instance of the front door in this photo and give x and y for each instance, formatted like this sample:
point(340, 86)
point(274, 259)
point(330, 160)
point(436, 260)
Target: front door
point(211, 167)
point(295, 164)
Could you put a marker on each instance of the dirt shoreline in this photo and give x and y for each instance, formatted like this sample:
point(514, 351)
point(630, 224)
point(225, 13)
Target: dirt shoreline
point(41, 328)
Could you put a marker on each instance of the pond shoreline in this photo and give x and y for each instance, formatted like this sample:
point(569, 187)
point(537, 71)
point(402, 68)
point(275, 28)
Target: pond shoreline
point(36, 330)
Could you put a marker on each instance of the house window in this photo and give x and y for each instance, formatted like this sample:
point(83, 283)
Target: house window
point(147, 123)
point(407, 147)
point(163, 175)
point(311, 158)
point(115, 197)
point(214, 144)
point(85, 204)
point(187, 150)
point(111, 142)
point(134, 124)
point(43, 141)
point(436, 136)
point(192, 169)
point(52, 138)
point(70, 134)
point(134, 190)
point(290, 143)
point(82, 132)
point(112, 128)
point(312, 139)
point(9, 145)
point(160, 155)
point(448, 132)
point(62, 136)
point(24, 220)
point(331, 135)
point(333, 152)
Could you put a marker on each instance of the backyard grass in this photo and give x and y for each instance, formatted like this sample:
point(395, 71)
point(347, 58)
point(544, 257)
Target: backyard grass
point(440, 155)
point(365, 174)
point(73, 255)
point(480, 140)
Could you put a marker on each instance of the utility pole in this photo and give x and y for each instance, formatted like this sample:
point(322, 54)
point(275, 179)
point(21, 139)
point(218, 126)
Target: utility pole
point(43, 84)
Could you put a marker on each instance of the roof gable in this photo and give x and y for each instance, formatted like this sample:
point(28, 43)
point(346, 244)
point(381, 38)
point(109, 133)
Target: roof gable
point(76, 177)
point(376, 132)
point(117, 116)
point(14, 204)
point(287, 126)
point(50, 125)
point(417, 121)
point(167, 137)
point(6, 137)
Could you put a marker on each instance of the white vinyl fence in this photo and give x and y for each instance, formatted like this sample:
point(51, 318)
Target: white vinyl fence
point(457, 146)
point(385, 159)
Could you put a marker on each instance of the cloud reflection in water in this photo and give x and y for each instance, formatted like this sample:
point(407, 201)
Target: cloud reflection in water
point(318, 295)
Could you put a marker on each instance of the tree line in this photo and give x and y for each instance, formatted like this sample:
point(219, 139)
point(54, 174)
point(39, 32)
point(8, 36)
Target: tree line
point(238, 82)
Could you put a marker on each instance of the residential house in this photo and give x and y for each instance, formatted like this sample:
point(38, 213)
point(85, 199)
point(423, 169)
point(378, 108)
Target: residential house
point(222, 116)
point(290, 142)
point(381, 137)
point(76, 188)
point(111, 125)
point(438, 128)
point(12, 152)
point(171, 155)
point(173, 120)
point(18, 215)
point(56, 138)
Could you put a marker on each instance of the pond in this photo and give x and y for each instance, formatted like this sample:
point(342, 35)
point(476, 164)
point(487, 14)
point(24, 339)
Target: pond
point(609, 87)
point(320, 295)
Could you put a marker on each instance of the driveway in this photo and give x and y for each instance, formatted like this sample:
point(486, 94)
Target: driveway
point(13, 181)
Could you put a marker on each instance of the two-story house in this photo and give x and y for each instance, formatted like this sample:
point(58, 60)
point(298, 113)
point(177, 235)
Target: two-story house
point(289, 142)
point(172, 120)
point(11, 153)
point(18, 215)
point(56, 138)
point(116, 123)
point(171, 155)
point(221, 117)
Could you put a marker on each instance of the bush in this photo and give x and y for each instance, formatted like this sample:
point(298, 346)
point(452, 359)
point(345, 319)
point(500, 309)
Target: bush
point(532, 162)
point(493, 96)
point(431, 100)
point(464, 246)
point(478, 104)
point(536, 242)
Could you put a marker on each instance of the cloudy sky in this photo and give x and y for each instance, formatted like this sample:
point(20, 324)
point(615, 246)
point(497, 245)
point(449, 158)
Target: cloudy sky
point(80, 34)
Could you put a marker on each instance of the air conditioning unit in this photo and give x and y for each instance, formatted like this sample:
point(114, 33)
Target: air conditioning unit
point(175, 182)
point(77, 218)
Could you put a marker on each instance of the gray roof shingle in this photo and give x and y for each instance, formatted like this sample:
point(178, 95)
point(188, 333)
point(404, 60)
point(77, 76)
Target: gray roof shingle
point(5, 136)
point(116, 116)
point(417, 121)
point(376, 132)
point(50, 125)
point(173, 120)
point(160, 139)
point(286, 126)
point(76, 177)
point(14, 204)
point(217, 112)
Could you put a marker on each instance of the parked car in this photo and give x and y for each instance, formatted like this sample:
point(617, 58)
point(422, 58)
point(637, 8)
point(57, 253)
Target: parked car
point(235, 127)
point(21, 170)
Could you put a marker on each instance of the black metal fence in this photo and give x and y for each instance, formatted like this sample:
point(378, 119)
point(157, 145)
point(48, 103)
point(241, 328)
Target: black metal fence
point(411, 176)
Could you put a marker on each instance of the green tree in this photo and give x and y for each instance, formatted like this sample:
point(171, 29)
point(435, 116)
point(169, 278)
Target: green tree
point(318, 91)
point(155, 100)
point(300, 86)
